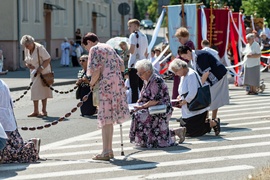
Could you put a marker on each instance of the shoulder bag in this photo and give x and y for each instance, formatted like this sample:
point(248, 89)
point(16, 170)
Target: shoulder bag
point(47, 79)
point(202, 98)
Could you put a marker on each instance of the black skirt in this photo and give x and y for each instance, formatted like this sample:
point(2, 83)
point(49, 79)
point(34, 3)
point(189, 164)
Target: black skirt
point(196, 125)
point(87, 108)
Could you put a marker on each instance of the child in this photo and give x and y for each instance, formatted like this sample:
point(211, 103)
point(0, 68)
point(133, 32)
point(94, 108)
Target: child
point(127, 85)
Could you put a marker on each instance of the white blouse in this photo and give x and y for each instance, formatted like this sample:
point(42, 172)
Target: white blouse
point(189, 84)
point(7, 118)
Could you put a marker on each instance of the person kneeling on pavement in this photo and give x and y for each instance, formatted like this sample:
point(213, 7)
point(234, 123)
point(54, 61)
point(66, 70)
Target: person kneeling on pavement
point(147, 130)
point(195, 121)
point(15, 150)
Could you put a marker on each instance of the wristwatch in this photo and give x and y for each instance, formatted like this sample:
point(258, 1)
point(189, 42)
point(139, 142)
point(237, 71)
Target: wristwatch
point(42, 67)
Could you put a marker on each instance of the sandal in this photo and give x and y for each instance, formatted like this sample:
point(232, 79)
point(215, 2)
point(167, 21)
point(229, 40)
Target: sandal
point(33, 115)
point(36, 142)
point(102, 157)
point(217, 126)
point(181, 133)
point(111, 155)
point(43, 114)
point(207, 120)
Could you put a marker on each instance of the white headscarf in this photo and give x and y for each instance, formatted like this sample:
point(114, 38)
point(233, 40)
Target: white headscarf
point(7, 118)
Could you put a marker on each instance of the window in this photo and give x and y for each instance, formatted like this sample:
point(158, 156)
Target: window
point(99, 19)
point(80, 12)
point(25, 11)
point(56, 14)
point(88, 15)
point(65, 13)
point(105, 19)
point(37, 11)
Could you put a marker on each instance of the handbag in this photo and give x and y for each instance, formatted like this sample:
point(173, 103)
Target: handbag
point(202, 98)
point(47, 79)
point(79, 89)
point(78, 92)
point(157, 109)
point(95, 94)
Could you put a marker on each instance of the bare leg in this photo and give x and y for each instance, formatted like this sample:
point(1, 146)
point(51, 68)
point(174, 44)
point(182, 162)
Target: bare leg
point(36, 111)
point(214, 114)
point(110, 137)
point(107, 132)
point(44, 106)
point(36, 107)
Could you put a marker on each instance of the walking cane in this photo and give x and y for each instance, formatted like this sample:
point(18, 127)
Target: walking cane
point(122, 145)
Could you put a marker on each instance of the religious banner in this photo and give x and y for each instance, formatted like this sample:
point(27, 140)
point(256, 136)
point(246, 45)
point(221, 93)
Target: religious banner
point(175, 21)
point(218, 21)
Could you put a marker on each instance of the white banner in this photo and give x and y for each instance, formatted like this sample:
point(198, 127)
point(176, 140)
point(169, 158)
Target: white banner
point(174, 22)
point(155, 33)
point(204, 24)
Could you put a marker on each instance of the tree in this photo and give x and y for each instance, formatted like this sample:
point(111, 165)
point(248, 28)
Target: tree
point(152, 10)
point(140, 8)
point(260, 7)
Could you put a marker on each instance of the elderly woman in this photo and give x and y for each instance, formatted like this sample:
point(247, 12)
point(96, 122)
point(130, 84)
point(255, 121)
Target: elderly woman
point(105, 67)
point(152, 130)
point(125, 53)
point(252, 66)
point(195, 121)
point(212, 72)
point(16, 149)
point(37, 59)
point(183, 36)
point(87, 109)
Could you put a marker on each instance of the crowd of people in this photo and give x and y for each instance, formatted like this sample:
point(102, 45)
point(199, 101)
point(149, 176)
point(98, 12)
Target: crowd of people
point(131, 78)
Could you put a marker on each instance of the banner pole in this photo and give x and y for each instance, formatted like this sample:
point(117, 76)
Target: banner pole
point(183, 22)
point(211, 21)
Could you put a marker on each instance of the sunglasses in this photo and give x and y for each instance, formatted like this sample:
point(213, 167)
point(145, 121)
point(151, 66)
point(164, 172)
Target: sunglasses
point(82, 60)
point(137, 36)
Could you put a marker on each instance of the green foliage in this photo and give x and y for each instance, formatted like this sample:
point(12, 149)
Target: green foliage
point(153, 10)
point(140, 8)
point(260, 7)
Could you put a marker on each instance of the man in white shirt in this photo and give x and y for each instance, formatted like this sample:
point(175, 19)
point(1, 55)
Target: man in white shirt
point(206, 46)
point(138, 51)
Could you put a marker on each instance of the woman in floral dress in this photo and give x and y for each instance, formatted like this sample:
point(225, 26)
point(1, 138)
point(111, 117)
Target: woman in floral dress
point(105, 68)
point(153, 130)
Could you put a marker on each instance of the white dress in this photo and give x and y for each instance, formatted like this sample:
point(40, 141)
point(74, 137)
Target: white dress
point(65, 47)
point(38, 91)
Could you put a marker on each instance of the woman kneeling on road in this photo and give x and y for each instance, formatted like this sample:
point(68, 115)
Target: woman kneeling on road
point(152, 130)
point(195, 121)
point(16, 149)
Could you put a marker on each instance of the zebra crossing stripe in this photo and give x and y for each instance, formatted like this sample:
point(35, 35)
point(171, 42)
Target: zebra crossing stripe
point(186, 173)
point(141, 166)
point(142, 155)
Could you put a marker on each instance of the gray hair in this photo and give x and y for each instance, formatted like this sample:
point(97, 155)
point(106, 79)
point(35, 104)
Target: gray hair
point(250, 35)
point(144, 64)
point(177, 64)
point(27, 39)
point(85, 56)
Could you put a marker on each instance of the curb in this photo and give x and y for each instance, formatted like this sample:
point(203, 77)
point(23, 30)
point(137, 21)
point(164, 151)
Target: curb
point(55, 84)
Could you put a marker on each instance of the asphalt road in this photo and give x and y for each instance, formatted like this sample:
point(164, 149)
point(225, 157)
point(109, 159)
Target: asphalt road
point(242, 148)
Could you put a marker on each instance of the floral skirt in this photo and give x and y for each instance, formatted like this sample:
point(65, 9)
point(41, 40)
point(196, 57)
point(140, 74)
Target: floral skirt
point(151, 131)
point(18, 151)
